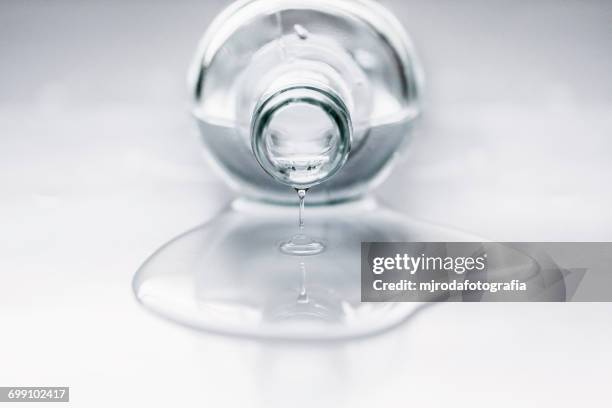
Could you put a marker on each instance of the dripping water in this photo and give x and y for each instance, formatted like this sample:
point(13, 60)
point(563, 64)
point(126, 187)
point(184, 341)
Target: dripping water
point(301, 244)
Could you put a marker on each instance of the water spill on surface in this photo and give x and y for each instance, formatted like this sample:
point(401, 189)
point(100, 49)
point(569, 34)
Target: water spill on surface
point(218, 278)
point(301, 244)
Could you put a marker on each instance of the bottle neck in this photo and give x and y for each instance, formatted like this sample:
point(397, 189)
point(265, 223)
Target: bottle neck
point(301, 134)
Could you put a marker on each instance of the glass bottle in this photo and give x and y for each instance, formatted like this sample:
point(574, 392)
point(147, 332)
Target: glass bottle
point(317, 94)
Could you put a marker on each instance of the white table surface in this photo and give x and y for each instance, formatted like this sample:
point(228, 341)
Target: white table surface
point(100, 164)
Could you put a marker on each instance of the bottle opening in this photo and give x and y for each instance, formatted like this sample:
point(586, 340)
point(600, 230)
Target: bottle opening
point(301, 136)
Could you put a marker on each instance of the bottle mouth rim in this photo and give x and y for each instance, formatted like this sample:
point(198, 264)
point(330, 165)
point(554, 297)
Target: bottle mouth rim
point(326, 100)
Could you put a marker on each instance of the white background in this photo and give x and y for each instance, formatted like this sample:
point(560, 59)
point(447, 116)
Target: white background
point(100, 164)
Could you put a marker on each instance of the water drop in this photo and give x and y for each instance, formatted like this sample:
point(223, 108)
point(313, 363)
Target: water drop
point(301, 32)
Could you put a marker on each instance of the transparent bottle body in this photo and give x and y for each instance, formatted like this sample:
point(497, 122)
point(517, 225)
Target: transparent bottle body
point(353, 49)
